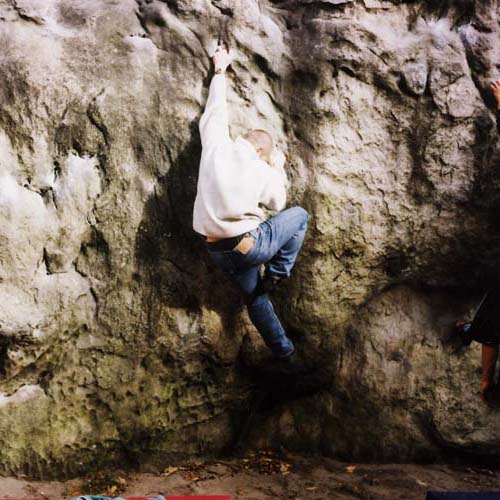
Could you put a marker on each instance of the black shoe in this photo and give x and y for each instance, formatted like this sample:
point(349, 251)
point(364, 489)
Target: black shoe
point(269, 283)
point(292, 365)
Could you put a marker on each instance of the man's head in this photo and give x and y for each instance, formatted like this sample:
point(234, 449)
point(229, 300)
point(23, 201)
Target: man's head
point(262, 142)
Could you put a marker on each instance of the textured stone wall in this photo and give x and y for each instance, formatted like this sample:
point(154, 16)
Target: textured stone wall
point(118, 338)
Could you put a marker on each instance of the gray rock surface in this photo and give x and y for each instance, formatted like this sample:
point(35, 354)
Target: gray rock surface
point(118, 338)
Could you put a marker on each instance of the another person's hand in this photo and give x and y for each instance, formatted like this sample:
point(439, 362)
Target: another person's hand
point(495, 87)
point(487, 388)
point(221, 58)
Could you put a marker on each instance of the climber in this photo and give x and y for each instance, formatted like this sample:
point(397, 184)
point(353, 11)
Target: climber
point(235, 179)
point(484, 327)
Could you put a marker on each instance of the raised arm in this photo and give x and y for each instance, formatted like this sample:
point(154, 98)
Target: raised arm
point(214, 124)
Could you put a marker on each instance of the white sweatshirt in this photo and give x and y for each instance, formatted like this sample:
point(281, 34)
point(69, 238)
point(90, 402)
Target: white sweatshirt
point(233, 181)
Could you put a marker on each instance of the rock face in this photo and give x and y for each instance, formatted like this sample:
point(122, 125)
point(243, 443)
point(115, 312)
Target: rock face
point(118, 338)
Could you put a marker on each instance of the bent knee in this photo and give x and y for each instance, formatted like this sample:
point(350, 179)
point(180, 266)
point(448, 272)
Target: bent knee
point(301, 213)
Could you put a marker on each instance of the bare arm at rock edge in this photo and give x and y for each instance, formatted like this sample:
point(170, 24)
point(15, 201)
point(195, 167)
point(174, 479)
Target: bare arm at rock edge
point(489, 355)
point(495, 87)
point(214, 123)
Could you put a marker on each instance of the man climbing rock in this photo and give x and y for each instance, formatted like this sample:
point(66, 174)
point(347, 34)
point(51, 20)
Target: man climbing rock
point(484, 327)
point(236, 179)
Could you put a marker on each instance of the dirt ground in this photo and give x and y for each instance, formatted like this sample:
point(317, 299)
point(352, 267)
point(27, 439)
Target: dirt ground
point(266, 476)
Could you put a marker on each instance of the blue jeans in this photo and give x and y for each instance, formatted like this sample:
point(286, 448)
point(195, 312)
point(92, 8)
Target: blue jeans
point(277, 244)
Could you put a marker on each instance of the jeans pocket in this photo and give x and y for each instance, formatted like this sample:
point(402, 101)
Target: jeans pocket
point(245, 245)
point(245, 255)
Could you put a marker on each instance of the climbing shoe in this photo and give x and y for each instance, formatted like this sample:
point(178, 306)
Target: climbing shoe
point(269, 283)
point(292, 365)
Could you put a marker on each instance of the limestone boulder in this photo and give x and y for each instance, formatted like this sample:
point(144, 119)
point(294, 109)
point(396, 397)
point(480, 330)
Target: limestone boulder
point(119, 339)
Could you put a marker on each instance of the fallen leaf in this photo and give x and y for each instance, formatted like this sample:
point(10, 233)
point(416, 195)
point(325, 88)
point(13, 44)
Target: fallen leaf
point(170, 470)
point(350, 469)
point(284, 468)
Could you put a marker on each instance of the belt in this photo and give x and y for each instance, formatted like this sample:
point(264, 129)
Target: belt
point(226, 243)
